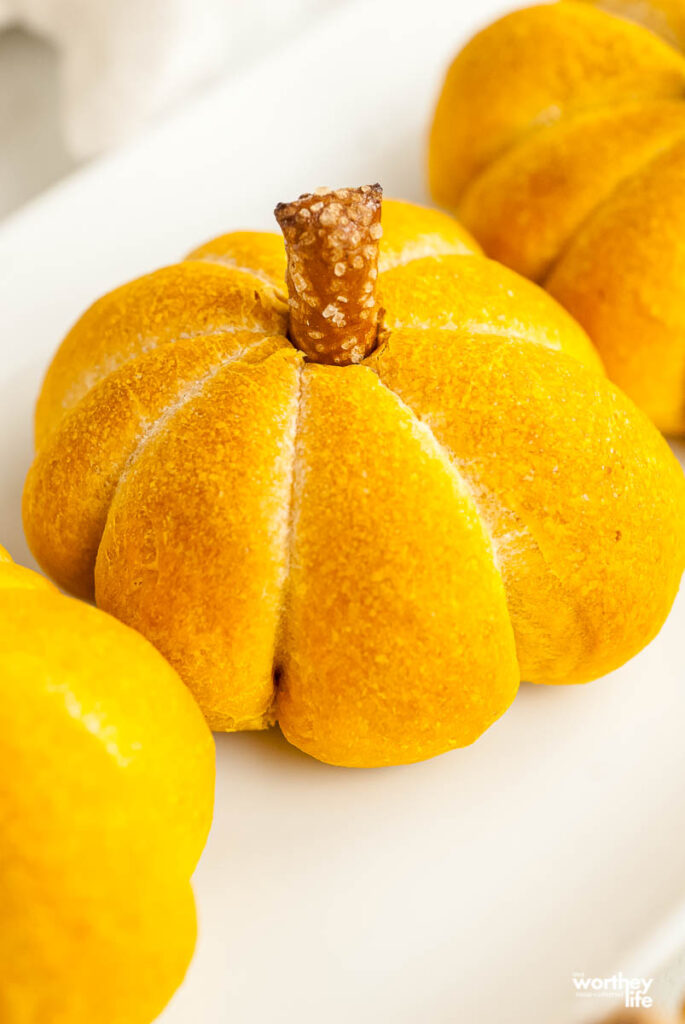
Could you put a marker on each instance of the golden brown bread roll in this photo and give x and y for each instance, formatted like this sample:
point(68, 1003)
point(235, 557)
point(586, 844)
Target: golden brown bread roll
point(106, 790)
point(371, 553)
point(559, 140)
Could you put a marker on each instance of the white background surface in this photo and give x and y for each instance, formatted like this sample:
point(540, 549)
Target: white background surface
point(78, 77)
point(33, 153)
point(465, 889)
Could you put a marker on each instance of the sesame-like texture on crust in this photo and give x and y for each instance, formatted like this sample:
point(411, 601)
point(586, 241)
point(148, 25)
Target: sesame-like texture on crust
point(332, 245)
point(106, 794)
point(374, 555)
point(568, 165)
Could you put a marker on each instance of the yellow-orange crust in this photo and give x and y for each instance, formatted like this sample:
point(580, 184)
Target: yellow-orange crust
point(568, 164)
point(106, 790)
point(371, 555)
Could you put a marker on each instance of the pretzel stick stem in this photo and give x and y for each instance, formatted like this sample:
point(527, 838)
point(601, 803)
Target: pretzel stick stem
point(331, 241)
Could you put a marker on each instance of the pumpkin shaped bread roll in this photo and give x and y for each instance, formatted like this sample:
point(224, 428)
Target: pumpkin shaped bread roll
point(359, 486)
point(106, 796)
point(567, 163)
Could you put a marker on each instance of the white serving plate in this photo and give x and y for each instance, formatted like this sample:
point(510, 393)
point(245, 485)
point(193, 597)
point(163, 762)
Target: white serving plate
point(465, 889)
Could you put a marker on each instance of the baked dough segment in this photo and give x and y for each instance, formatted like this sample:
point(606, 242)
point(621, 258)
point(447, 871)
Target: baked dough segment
point(396, 641)
point(261, 253)
point(590, 548)
point(194, 552)
point(621, 277)
point(470, 294)
point(411, 232)
point(73, 478)
point(181, 301)
point(18, 577)
point(526, 206)
point(55, 640)
point(555, 59)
